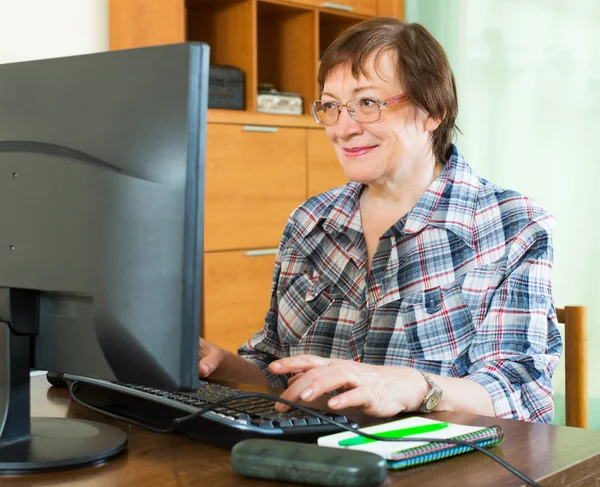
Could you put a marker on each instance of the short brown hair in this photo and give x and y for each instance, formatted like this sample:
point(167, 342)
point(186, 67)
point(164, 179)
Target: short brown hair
point(423, 69)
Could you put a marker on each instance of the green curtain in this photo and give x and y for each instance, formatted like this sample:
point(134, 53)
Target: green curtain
point(528, 76)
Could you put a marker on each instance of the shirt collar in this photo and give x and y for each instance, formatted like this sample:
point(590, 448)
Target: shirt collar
point(341, 215)
point(449, 202)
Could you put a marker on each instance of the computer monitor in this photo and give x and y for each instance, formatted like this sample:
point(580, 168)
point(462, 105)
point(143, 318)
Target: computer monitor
point(101, 217)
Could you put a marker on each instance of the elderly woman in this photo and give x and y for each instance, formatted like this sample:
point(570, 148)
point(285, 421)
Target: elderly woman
point(418, 286)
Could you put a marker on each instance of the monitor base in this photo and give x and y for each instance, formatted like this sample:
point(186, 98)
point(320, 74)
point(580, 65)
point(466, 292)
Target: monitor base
point(60, 444)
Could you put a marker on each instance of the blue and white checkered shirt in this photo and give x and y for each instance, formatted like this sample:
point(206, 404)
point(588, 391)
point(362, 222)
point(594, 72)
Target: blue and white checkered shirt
point(459, 287)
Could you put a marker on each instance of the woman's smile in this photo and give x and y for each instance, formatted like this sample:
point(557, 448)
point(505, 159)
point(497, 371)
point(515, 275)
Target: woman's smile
point(359, 151)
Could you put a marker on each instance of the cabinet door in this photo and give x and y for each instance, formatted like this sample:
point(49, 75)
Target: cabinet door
point(237, 291)
point(363, 7)
point(255, 177)
point(324, 170)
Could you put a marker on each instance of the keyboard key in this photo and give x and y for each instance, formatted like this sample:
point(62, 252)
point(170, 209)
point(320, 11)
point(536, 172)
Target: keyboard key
point(263, 423)
point(243, 417)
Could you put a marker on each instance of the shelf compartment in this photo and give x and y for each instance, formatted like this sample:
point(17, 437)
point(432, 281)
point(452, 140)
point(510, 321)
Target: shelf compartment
point(229, 28)
point(287, 49)
point(331, 26)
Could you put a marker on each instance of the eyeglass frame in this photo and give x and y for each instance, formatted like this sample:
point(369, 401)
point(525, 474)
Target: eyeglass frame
point(381, 105)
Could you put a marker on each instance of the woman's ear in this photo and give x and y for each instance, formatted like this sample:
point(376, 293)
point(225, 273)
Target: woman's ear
point(432, 123)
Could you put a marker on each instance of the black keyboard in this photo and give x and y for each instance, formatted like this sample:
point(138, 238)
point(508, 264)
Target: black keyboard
point(227, 424)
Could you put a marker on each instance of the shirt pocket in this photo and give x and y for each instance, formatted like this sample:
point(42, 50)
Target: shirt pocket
point(438, 324)
point(300, 306)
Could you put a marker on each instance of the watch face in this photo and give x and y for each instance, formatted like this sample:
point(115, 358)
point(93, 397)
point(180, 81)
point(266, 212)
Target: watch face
point(433, 401)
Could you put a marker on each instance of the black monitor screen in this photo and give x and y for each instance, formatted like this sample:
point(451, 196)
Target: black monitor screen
point(101, 209)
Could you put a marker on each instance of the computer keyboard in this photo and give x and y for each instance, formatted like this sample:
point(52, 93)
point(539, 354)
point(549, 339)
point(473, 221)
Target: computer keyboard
point(227, 424)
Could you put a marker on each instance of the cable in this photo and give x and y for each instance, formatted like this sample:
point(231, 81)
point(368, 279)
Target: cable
point(180, 421)
point(72, 386)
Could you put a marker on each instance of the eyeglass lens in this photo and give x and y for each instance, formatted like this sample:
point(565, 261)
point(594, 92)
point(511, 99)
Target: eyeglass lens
point(363, 110)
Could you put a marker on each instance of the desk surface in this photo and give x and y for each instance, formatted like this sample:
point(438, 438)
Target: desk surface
point(554, 455)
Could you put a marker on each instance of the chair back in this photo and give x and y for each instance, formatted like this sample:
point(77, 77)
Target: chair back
point(576, 380)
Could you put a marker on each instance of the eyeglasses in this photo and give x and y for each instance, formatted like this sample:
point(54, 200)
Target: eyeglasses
point(363, 110)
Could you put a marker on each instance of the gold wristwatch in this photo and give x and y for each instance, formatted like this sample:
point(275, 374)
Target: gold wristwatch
point(433, 397)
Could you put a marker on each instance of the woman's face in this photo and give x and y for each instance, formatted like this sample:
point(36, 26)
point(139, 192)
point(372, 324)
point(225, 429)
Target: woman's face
point(389, 149)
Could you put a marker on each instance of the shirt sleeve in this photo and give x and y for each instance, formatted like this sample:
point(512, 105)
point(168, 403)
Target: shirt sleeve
point(265, 346)
point(517, 347)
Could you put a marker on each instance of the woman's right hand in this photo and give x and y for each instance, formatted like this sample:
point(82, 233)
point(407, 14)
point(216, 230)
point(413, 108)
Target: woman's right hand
point(211, 357)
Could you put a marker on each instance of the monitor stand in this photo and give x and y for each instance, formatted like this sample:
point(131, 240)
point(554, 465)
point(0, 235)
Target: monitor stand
point(30, 445)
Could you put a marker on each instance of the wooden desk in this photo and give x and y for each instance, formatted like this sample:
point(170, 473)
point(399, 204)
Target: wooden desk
point(554, 455)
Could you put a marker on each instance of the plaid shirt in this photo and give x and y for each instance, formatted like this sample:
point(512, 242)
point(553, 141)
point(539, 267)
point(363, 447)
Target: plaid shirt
point(459, 287)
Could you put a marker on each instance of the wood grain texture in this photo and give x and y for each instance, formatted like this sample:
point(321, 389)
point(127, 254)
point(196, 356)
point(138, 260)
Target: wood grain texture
point(229, 28)
point(331, 26)
point(554, 455)
point(576, 363)
point(287, 49)
point(359, 7)
point(254, 180)
point(324, 169)
point(237, 291)
point(390, 8)
point(141, 23)
point(244, 117)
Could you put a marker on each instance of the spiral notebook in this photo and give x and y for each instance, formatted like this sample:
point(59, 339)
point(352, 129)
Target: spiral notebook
point(410, 453)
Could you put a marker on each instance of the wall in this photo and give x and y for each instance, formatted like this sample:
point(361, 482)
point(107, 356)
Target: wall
point(37, 29)
point(528, 76)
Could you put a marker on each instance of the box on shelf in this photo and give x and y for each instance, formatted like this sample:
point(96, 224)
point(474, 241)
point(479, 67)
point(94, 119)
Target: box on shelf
point(276, 102)
point(226, 87)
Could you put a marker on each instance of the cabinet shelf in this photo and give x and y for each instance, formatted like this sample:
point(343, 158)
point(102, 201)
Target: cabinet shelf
point(271, 41)
point(246, 117)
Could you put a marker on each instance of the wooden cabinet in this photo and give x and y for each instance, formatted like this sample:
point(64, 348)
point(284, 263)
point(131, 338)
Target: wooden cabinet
point(259, 167)
point(272, 41)
point(255, 177)
point(324, 170)
point(237, 291)
point(252, 186)
point(362, 7)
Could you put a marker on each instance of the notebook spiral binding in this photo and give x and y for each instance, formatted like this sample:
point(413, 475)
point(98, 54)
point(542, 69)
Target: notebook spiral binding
point(431, 452)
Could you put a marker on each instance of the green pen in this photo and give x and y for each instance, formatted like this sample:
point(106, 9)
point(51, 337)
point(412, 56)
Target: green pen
point(400, 433)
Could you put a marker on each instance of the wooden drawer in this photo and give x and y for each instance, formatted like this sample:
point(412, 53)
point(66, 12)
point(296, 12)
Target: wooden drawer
point(324, 170)
point(255, 177)
point(363, 7)
point(237, 292)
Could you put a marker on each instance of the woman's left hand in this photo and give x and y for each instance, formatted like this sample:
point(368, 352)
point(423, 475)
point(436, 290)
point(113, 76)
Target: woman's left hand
point(377, 390)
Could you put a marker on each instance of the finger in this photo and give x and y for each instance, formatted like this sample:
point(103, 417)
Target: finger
point(332, 379)
point(293, 379)
point(206, 367)
point(313, 385)
point(299, 363)
point(209, 361)
point(359, 397)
